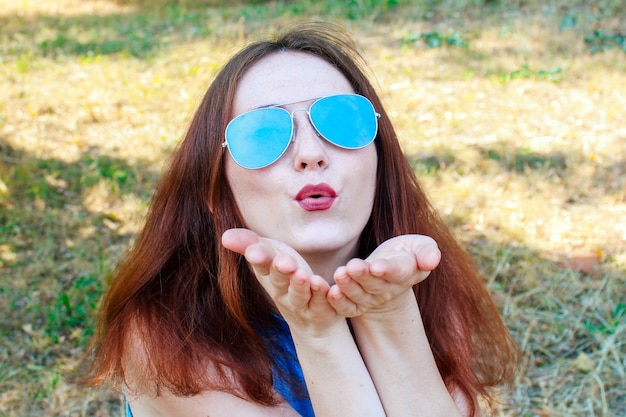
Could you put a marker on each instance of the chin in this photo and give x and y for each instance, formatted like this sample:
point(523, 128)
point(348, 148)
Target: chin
point(323, 243)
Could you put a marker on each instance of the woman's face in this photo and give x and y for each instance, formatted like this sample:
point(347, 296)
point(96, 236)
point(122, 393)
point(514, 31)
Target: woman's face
point(316, 197)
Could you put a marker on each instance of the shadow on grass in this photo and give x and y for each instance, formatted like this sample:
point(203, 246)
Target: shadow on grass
point(46, 223)
point(565, 321)
point(522, 159)
point(611, 178)
point(518, 160)
point(55, 254)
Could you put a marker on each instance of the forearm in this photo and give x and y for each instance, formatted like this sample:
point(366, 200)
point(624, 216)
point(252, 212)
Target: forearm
point(338, 381)
point(395, 349)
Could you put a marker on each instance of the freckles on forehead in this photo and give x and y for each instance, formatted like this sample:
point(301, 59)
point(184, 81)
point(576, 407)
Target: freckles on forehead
point(288, 76)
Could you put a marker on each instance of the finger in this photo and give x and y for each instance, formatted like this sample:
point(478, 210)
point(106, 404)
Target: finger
point(424, 250)
point(284, 264)
point(260, 256)
point(400, 269)
point(428, 256)
point(271, 268)
point(351, 288)
point(282, 271)
point(360, 272)
point(319, 290)
point(342, 304)
point(357, 268)
point(299, 289)
point(390, 267)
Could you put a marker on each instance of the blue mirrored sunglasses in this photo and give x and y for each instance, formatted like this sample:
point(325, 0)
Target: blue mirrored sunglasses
point(258, 138)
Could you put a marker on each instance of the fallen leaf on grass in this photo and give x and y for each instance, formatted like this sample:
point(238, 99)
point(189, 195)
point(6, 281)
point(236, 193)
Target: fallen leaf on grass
point(583, 363)
point(582, 262)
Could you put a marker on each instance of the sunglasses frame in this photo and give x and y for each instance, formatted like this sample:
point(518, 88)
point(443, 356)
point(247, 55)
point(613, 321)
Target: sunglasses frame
point(225, 144)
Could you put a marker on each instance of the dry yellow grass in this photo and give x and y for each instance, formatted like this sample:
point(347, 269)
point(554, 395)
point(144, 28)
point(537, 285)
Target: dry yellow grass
point(520, 139)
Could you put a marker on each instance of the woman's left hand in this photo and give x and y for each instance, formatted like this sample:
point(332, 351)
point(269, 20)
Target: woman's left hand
point(383, 282)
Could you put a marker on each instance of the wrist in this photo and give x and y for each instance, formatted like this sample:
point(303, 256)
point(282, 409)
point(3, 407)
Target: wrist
point(400, 308)
point(320, 339)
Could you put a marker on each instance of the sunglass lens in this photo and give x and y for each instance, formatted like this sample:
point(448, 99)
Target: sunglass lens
point(347, 120)
point(258, 138)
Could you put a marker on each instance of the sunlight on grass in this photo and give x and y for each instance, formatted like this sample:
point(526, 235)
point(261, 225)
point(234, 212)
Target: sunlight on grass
point(512, 120)
point(59, 7)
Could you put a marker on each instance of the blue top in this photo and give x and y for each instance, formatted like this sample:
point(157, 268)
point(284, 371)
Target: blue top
point(286, 371)
point(287, 374)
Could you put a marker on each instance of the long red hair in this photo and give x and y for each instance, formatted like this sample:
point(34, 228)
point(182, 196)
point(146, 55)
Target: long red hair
point(195, 304)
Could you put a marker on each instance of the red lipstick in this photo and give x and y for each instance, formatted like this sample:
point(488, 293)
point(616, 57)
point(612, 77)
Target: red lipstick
point(316, 197)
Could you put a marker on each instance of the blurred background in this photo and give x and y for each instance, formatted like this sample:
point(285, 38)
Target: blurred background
point(511, 113)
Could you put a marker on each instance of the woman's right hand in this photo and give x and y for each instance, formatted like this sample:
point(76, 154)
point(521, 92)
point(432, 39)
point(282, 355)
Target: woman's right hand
point(298, 293)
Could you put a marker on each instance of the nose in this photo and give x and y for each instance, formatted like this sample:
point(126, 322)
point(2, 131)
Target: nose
point(309, 149)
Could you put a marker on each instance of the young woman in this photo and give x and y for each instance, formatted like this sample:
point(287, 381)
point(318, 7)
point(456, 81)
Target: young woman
point(291, 264)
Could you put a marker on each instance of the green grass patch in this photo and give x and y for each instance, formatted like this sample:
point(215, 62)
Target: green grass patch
point(601, 41)
point(525, 72)
point(71, 314)
point(524, 159)
point(437, 40)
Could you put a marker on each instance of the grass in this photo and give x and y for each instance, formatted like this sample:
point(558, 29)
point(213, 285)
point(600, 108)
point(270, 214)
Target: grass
point(512, 115)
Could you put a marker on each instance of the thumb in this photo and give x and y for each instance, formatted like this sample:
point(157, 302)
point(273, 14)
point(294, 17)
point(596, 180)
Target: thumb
point(427, 257)
point(238, 240)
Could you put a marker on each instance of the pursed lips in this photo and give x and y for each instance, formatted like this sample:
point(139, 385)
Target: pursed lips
point(316, 197)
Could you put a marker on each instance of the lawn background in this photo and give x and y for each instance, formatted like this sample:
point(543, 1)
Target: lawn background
point(512, 114)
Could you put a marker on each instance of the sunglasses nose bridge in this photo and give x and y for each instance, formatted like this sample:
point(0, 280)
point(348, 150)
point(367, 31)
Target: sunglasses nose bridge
point(293, 120)
point(297, 125)
point(297, 111)
point(308, 149)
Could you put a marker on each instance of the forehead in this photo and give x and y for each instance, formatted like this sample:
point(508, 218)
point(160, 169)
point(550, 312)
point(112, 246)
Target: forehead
point(286, 77)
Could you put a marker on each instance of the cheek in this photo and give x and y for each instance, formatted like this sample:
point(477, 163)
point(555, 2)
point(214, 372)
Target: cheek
point(249, 187)
point(368, 171)
point(367, 164)
point(241, 183)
